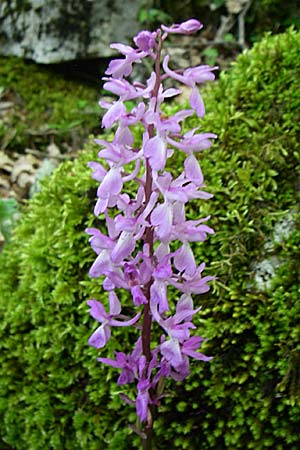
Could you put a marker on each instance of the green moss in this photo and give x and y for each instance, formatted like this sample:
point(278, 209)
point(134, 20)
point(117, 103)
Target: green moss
point(45, 104)
point(53, 392)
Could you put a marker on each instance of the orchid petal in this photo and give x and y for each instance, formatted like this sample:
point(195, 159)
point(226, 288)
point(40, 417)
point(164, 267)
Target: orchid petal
point(125, 323)
point(161, 217)
point(158, 295)
point(100, 337)
point(141, 403)
point(192, 170)
point(184, 260)
point(156, 151)
point(97, 310)
point(98, 170)
point(170, 349)
point(138, 296)
point(100, 206)
point(196, 102)
point(188, 27)
point(114, 304)
point(114, 113)
point(111, 185)
point(145, 40)
point(100, 265)
point(124, 247)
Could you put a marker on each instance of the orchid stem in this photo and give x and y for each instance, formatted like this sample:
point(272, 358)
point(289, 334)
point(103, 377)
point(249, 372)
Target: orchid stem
point(149, 239)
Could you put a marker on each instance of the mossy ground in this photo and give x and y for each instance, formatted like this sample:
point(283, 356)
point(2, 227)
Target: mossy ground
point(47, 106)
point(53, 392)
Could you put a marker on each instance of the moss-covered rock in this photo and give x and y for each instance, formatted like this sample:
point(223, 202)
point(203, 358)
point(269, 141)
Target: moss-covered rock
point(53, 392)
point(46, 106)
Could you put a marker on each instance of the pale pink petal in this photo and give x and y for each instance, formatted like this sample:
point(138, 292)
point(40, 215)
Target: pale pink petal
point(184, 260)
point(192, 170)
point(171, 92)
point(156, 151)
point(100, 206)
point(173, 74)
point(188, 27)
point(124, 247)
point(200, 74)
point(111, 362)
point(162, 217)
point(118, 87)
point(184, 303)
point(119, 68)
point(158, 294)
point(114, 113)
point(141, 404)
point(97, 310)
point(196, 102)
point(196, 355)
point(122, 48)
point(170, 349)
point(100, 337)
point(138, 296)
point(124, 136)
point(98, 170)
point(114, 304)
point(100, 265)
point(99, 241)
point(145, 40)
point(111, 185)
point(124, 323)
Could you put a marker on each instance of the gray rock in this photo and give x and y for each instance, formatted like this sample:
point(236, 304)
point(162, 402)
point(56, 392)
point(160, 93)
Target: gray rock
point(265, 270)
point(56, 31)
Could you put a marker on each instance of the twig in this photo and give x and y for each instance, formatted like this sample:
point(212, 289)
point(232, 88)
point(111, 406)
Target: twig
point(241, 24)
point(227, 23)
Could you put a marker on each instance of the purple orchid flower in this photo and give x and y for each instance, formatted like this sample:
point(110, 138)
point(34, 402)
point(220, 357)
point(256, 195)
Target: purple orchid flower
point(120, 68)
point(102, 334)
point(191, 77)
point(147, 246)
point(145, 40)
point(191, 142)
point(188, 27)
point(177, 326)
point(129, 364)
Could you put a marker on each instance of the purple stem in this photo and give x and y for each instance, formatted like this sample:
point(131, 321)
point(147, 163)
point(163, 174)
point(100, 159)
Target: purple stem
point(148, 239)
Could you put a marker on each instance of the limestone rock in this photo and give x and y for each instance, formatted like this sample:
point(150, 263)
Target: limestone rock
point(54, 31)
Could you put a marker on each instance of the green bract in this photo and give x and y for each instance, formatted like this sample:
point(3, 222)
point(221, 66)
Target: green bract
point(55, 395)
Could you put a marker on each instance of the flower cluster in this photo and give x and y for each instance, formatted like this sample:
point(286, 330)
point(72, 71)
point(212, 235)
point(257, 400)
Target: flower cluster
point(147, 245)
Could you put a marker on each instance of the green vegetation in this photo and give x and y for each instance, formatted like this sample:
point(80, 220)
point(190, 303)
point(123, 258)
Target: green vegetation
point(263, 15)
point(8, 216)
point(44, 106)
point(222, 33)
point(55, 395)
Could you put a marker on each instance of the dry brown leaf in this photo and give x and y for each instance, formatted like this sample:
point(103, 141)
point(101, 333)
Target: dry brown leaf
point(53, 151)
point(6, 163)
point(4, 181)
point(25, 180)
point(25, 164)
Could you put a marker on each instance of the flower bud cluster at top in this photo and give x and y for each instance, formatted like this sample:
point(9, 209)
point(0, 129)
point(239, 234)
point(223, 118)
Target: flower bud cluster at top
point(136, 254)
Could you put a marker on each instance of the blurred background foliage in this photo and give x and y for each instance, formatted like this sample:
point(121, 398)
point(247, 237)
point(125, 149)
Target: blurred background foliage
point(262, 15)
